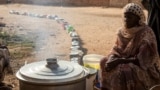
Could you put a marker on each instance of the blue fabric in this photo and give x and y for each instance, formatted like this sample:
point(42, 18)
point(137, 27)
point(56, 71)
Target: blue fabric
point(97, 83)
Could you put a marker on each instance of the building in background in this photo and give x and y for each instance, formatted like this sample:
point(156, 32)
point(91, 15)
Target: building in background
point(105, 3)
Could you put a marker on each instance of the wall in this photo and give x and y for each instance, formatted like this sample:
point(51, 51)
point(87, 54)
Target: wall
point(118, 3)
point(106, 3)
point(2, 1)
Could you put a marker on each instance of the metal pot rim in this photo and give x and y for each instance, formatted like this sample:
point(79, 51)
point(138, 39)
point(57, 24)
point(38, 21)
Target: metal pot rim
point(75, 72)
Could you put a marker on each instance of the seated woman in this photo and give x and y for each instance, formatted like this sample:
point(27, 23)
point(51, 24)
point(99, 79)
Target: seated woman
point(133, 63)
point(5, 67)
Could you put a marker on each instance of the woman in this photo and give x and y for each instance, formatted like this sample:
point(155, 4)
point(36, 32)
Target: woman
point(133, 61)
point(153, 7)
point(4, 67)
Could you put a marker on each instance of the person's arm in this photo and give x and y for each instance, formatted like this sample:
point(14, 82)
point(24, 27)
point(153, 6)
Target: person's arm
point(112, 62)
point(3, 47)
point(2, 24)
point(133, 60)
point(115, 61)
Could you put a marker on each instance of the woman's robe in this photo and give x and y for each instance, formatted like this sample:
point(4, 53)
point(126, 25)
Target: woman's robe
point(142, 76)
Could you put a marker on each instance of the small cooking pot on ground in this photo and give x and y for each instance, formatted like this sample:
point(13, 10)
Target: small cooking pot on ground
point(52, 75)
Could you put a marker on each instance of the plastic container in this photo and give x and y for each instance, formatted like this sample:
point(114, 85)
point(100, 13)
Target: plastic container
point(92, 61)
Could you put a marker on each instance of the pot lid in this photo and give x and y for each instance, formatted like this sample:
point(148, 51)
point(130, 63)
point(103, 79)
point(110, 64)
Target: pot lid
point(51, 71)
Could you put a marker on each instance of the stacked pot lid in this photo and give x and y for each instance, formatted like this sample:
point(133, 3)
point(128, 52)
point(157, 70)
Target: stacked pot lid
point(52, 71)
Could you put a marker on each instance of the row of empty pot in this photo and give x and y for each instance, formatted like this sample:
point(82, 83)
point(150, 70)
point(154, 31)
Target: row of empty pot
point(76, 52)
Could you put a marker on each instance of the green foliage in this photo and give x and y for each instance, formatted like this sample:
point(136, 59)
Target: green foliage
point(20, 46)
point(4, 35)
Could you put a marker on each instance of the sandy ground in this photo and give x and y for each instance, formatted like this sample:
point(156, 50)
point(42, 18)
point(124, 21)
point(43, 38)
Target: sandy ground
point(96, 27)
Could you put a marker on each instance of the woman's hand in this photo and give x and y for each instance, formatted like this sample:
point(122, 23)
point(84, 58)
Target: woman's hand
point(112, 64)
point(115, 61)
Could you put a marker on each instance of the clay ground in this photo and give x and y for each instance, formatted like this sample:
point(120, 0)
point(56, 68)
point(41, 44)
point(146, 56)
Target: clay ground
point(96, 27)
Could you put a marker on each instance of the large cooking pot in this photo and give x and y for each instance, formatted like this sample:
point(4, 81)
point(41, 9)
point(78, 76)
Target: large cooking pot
point(52, 74)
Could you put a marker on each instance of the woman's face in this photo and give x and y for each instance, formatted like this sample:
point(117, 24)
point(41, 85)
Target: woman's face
point(131, 20)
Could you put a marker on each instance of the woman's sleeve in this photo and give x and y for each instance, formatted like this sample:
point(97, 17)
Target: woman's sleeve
point(116, 49)
point(147, 54)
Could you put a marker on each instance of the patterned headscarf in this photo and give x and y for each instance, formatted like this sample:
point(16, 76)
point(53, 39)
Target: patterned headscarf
point(135, 9)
